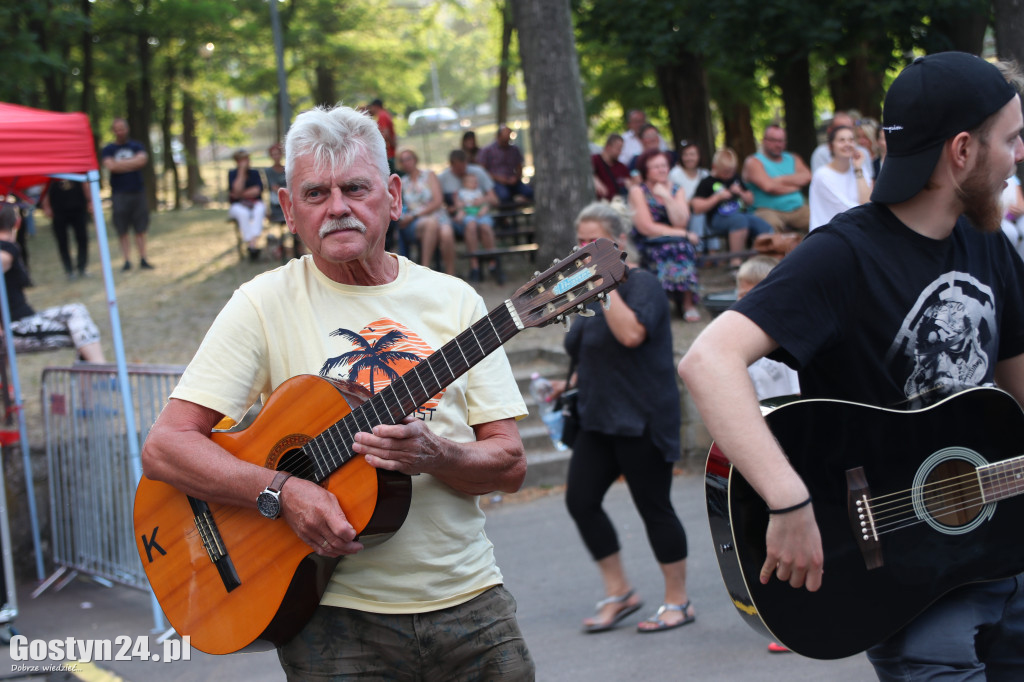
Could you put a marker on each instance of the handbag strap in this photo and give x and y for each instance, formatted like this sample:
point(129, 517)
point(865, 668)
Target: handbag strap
point(572, 368)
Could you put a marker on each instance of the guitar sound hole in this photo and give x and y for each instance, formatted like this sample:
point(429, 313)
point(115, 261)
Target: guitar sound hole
point(952, 493)
point(297, 463)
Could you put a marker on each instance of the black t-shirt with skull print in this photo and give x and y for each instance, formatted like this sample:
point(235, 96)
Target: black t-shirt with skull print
point(870, 311)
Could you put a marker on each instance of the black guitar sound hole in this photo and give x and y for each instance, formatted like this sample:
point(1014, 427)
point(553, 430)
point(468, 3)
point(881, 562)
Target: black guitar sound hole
point(297, 463)
point(952, 493)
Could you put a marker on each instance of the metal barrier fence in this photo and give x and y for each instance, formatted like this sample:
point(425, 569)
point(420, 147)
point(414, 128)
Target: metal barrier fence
point(92, 488)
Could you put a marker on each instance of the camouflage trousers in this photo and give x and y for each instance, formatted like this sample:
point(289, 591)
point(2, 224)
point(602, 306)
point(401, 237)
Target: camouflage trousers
point(478, 640)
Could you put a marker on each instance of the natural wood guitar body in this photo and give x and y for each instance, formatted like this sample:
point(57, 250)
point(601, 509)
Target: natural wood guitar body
point(281, 580)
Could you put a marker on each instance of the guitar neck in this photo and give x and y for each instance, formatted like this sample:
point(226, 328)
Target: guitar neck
point(333, 447)
point(1002, 479)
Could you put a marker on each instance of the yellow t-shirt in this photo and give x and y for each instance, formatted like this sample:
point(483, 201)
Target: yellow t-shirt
point(294, 320)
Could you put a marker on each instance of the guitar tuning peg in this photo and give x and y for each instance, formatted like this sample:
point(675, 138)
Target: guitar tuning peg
point(606, 301)
point(565, 322)
point(556, 261)
point(584, 311)
point(575, 248)
point(536, 274)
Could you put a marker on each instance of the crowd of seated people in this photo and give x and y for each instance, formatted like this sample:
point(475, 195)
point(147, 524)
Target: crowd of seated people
point(469, 195)
point(503, 161)
point(425, 222)
point(661, 215)
point(764, 194)
point(674, 202)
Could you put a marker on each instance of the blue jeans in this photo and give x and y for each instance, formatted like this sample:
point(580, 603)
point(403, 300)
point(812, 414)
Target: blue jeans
point(506, 192)
point(740, 221)
point(975, 632)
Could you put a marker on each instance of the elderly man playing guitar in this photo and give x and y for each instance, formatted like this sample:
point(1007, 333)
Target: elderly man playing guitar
point(428, 603)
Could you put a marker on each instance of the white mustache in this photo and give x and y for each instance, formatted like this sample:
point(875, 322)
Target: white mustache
point(339, 224)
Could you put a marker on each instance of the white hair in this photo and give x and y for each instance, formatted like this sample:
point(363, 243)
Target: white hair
point(334, 136)
point(614, 217)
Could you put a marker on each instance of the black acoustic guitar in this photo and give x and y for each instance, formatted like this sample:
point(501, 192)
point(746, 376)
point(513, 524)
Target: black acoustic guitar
point(929, 501)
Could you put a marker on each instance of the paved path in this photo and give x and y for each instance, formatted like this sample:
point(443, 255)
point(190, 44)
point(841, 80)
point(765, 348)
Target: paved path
point(555, 583)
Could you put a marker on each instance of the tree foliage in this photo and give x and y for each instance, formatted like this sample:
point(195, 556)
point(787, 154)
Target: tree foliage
point(754, 53)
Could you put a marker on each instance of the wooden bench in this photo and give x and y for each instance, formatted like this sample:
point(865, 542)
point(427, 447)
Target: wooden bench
point(497, 253)
point(513, 223)
point(716, 257)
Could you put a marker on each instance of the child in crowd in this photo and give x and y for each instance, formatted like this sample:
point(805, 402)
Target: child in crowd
point(470, 201)
point(470, 211)
point(724, 198)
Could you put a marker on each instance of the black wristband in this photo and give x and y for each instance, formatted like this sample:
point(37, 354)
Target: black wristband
point(786, 510)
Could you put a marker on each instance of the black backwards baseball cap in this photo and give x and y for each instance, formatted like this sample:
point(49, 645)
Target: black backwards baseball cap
point(932, 100)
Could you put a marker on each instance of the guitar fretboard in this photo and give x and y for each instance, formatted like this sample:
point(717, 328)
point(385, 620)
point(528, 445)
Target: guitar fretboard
point(333, 447)
point(1003, 479)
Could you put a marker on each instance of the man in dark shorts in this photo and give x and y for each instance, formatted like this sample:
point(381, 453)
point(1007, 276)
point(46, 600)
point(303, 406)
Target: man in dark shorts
point(124, 159)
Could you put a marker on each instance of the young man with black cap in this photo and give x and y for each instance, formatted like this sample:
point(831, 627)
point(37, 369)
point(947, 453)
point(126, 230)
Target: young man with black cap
point(897, 303)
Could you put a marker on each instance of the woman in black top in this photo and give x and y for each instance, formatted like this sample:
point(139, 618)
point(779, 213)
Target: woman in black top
point(629, 420)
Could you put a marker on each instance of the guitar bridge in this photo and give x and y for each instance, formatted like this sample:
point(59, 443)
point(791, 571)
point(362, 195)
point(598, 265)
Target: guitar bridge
point(214, 544)
point(862, 522)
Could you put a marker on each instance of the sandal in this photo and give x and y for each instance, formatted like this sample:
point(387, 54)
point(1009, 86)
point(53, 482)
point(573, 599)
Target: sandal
point(691, 315)
point(659, 625)
point(626, 610)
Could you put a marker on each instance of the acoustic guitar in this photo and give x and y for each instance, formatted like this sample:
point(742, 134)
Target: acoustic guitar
point(910, 504)
point(229, 578)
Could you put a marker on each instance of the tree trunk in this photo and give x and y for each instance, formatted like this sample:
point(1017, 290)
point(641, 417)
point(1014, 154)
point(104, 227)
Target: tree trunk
point(793, 76)
point(193, 181)
point(325, 92)
point(857, 85)
point(503, 65)
point(739, 134)
point(964, 28)
point(170, 167)
point(52, 83)
point(1009, 27)
point(145, 114)
point(684, 91)
point(558, 132)
point(88, 102)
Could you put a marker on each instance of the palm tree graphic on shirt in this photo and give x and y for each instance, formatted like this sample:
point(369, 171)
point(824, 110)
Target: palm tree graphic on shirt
point(370, 356)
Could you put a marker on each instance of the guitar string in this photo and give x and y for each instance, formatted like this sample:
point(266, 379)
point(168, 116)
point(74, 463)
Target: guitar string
point(990, 477)
point(932, 493)
point(900, 514)
point(507, 326)
point(1000, 469)
point(311, 461)
point(913, 520)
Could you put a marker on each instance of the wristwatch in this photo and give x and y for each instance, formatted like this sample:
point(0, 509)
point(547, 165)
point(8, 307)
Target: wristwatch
point(269, 501)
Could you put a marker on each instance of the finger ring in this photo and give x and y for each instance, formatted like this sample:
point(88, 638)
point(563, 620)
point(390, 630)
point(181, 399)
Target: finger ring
point(325, 543)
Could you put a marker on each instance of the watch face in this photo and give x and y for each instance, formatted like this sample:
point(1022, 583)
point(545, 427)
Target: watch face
point(268, 504)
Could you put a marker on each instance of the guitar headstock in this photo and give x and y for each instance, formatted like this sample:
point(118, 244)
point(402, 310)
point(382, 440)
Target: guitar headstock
point(570, 284)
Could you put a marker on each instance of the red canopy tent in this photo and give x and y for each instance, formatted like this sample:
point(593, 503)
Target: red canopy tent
point(36, 145)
